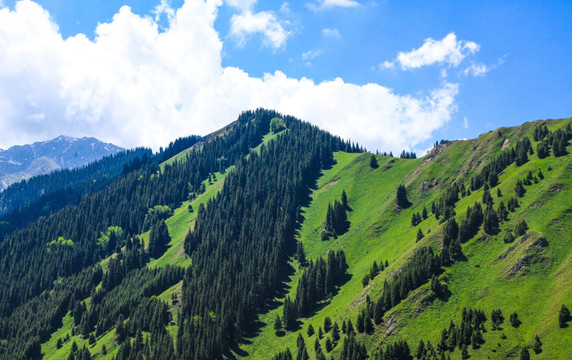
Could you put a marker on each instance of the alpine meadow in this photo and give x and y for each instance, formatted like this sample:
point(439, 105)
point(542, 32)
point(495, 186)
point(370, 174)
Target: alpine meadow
point(273, 239)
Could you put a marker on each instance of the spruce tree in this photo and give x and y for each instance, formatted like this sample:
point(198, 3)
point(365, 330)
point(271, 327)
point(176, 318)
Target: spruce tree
point(277, 323)
point(310, 331)
point(563, 316)
point(537, 345)
point(514, 321)
point(402, 200)
point(373, 162)
point(419, 235)
point(524, 354)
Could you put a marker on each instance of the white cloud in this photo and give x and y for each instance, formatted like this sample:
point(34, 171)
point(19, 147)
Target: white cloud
point(309, 55)
point(242, 4)
point(476, 70)
point(265, 22)
point(134, 85)
point(329, 4)
point(331, 33)
point(446, 51)
point(465, 123)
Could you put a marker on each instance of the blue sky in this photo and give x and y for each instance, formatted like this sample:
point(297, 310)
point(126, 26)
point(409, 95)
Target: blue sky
point(390, 74)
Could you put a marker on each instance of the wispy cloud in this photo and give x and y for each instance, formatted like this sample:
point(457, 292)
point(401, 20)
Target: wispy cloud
point(480, 69)
point(331, 33)
point(329, 4)
point(465, 123)
point(308, 56)
point(266, 23)
point(447, 51)
point(242, 4)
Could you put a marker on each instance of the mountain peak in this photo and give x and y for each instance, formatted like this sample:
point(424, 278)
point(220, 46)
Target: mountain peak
point(63, 152)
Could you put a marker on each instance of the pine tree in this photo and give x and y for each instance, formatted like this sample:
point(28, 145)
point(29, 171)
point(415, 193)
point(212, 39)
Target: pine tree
point(373, 162)
point(402, 200)
point(514, 321)
point(464, 352)
point(277, 323)
point(302, 353)
point(335, 332)
point(301, 254)
point(563, 316)
point(327, 324)
point(344, 200)
point(537, 345)
point(424, 214)
point(524, 354)
point(310, 331)
point(158, 239)
point(329, 345)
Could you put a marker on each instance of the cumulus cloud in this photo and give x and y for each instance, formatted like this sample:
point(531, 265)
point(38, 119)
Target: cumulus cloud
point(331, 33)
point(265, 23)
point(447, 51)
point(329, 4)
point(135, 85)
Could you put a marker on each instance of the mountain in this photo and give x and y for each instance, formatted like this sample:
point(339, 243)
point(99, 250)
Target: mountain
point(272, 237)
point(64, 152)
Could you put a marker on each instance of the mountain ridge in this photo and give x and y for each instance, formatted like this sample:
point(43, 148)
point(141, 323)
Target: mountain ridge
point(63, 152)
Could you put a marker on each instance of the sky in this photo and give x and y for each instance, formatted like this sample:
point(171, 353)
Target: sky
point(390, 75)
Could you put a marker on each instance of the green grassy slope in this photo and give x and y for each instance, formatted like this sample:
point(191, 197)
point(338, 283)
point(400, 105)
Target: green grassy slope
point(379, 231)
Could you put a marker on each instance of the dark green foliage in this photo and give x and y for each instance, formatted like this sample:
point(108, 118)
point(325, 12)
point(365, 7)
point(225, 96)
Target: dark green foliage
point(398, 350)
point(158, 239)
point(522, 148)
point(344, 200)
point(419, 235)
point(424, 214)
point(508, 237)
point(302, 352)
point(520, 228)
point(278, 323)
point(319, 281)
point(540, 132)
point(559, 141)
point(514, 320)
point(436, 286)
point(537, 345)
point(502, 212)
point(289, 314)
point(524, 354)
point(487, 198)
point(497, 319)
point(564, 316)
point(471, 223)
point(519, 189)
point(327, 324)
point(491, 221)
point(336, 220)
point(352, 349)
point(310, 331)
point(283, 355)
point(91, 339)
point(464, 352)
point(416, 219)
point(335, 333)
point(373, 162)
point(512, 204)
point(59, 343)
point(402, 200)
point(301, 254)
point(543, 149)
point(329, 346)
point(407, 155)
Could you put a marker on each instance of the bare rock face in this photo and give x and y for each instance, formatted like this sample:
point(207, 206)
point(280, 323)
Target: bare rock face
point(64, 152)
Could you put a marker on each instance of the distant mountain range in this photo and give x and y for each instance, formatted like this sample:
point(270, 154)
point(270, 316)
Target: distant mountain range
point(64, 152)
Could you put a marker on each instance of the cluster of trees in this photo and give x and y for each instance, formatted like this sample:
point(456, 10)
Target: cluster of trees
point(445, 205)
point(401, 197)
point(468, 333)
point(336, 218)
point(417, 217)
point(407, 155)
point(26, 201)
point(318, 282)
point(241, 242)
point(374, 271)
point(398, 350)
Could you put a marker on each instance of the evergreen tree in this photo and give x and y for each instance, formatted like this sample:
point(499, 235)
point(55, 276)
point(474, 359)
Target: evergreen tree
point(514, 321)
point(329, 345)
point(327, 324)
point(277, 323)
point(563, 316)
point(301, 254)
point(373, 162)
point(344, 200)
point(424, 213)
point(402, 200)
point(537, 345)
point(302, 353)
point(158, 239)
point(310, 331)
point(524, 354)
point(519, 188)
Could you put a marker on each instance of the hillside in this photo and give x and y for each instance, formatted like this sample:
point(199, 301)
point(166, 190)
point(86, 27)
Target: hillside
point(232, 231)
point(24, 161)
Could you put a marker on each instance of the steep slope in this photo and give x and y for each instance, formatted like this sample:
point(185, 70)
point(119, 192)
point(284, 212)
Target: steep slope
point(491, 274)
point(236, 204)
point(64, 152)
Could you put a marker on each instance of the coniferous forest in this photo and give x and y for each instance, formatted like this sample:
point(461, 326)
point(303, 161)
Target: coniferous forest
point(272, 238)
